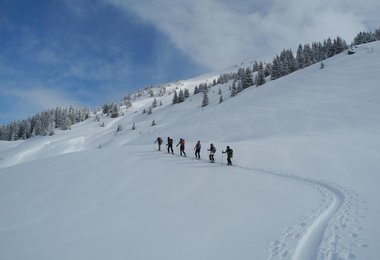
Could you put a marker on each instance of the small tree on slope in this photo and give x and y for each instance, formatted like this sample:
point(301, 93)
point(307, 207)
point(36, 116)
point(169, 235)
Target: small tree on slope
point(205, 99)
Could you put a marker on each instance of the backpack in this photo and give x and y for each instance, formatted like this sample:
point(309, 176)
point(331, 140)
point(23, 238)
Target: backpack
point(230, 152)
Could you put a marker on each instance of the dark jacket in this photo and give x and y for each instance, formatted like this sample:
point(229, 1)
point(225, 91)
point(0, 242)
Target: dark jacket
point(229, 152)
point(212, 149)
point(159, 140)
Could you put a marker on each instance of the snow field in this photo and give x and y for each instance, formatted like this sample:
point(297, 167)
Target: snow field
point(168, 209)
point(304, 185)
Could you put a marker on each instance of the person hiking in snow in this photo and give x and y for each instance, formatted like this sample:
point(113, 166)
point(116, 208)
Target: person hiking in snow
point(170, 145)
point(229, 152)
point(159, 142)
point(212, 151)
point(197, 149)
point(181, 144)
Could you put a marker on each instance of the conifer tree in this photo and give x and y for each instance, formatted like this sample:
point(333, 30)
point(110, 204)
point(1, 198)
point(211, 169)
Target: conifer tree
point(377, 34)
point(154, 104)
point(114, 111)
point(339, 45)
point(255, 66)
point(175, 98)
point(329, 48)
point(260, 78)
point(239, 87)
point(276, 69)
point(308, 55)
point(247, 80)
point(205, 99)
point(187, 93)
point(300, 58)
point(72, 115)
point(181, 97)
point(292, 64)
point(268, 69)
point(149, 111)
point(233, 89)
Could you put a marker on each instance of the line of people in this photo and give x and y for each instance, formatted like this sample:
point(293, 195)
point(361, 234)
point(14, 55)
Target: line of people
point(197, 149)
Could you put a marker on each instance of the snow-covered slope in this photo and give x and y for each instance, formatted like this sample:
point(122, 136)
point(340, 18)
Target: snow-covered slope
point(304, 184)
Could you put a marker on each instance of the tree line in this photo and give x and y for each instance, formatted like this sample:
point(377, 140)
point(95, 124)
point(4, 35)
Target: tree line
point(43, 123)
point(286, 62)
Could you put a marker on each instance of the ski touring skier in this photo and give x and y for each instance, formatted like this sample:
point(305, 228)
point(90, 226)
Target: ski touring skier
point(197, 149)
point(159, 142)
point(212, 151)
point(229, 153)
point(181, 144)
point(170, 145)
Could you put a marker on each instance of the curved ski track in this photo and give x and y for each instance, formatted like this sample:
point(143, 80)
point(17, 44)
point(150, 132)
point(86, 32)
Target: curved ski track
point(331, 231)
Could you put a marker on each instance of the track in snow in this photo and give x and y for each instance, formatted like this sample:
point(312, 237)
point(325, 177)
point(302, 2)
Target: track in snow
point(331, 231)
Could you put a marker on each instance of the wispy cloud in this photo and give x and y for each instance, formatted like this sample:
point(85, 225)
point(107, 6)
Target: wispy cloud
point(29, 100)
point(219, 33)
point(41, 97)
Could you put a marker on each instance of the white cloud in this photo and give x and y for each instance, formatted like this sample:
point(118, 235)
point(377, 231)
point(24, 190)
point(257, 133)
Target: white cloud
point(217, 33)
point(28, 101)
point(42, 98)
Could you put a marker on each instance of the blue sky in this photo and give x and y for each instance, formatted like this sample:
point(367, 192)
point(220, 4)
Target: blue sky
point(88, 52)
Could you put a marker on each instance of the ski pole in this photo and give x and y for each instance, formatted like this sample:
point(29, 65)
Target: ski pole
point(221, 161)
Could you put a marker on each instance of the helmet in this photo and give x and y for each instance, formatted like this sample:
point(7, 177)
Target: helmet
point(228, 147)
